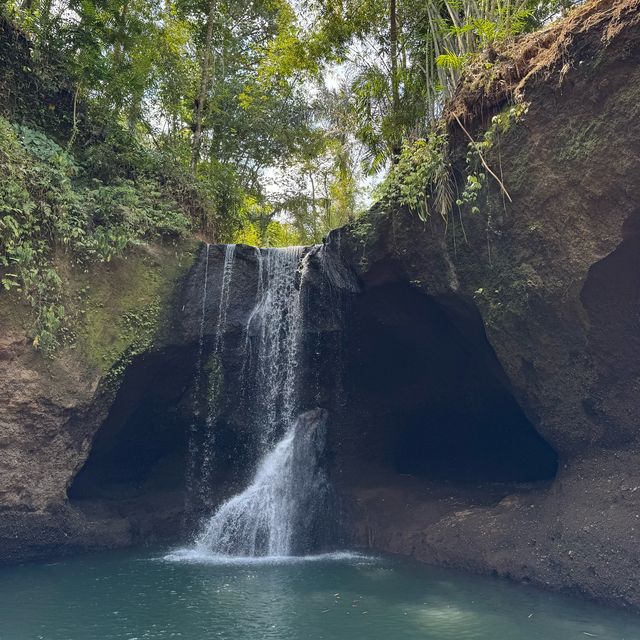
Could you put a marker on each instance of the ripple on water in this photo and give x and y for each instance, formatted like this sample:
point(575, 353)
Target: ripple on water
point(198, 556)
point(336, 596)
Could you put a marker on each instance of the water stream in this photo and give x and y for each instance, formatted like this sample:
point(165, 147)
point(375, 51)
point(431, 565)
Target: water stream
point(274, 515)
point(225, 291)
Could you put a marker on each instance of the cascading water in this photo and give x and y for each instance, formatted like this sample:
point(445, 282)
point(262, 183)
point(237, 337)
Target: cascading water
point(274, 515)
point(225, 288)
point(209, 436)
point(266, 517)
point(274, 330)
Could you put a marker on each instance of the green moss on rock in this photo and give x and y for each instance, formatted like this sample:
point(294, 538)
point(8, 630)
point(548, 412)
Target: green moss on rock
point(123, 304)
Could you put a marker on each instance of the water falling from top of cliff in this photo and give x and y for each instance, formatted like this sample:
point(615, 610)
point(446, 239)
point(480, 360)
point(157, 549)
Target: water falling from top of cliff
point(276, 513)
point(274, 331)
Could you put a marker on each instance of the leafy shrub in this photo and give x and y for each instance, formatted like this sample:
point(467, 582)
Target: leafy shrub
point(421, 179)
point(47, 203)
point(210, 199)
point(477, 167)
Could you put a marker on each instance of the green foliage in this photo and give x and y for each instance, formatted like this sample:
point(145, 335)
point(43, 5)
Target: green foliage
point(146, 77)
point(222, 187)
point(452, 60)
point(215, 117)
point(260, 229)
point(137, 329)
point(477, 170)
point(421, 179)
point(361, 230)
point(47, 206)
point(407, 63)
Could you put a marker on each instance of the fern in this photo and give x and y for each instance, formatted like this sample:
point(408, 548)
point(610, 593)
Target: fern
point(451, 60)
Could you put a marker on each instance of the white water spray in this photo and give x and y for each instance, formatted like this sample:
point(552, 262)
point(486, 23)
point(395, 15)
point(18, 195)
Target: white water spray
point(275, 330)
point(275, 512)
point(264, 518)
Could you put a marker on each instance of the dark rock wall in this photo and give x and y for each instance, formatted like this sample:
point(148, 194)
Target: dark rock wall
point(553, 276)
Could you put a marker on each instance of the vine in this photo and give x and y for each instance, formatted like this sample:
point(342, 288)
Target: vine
point(475, 158)
point(361, 230)
point(423, 179)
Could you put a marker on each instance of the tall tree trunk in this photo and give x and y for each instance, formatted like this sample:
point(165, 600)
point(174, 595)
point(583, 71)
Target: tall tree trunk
point(205, 79)
point(314, 211)
point(119, 53)
point(395, 88)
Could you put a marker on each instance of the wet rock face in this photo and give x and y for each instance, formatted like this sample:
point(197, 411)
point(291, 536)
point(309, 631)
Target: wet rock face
point(188, 308)
point(572, 173)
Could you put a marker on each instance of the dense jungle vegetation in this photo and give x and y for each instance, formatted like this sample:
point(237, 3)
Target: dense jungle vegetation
point(266, 122)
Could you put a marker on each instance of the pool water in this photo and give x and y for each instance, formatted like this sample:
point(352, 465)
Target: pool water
point(134, 596)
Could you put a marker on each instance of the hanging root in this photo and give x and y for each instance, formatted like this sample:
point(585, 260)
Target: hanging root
point(484, 162)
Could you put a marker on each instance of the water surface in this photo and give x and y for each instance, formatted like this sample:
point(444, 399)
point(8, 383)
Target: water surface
point(135, 596)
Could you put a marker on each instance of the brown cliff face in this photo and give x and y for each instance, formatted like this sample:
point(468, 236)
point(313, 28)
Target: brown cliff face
point(36, 410)
point(551, 281)
point(52, 409)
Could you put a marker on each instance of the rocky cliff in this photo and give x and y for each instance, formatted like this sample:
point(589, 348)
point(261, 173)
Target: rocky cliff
point(52, 408)
point(544, 298)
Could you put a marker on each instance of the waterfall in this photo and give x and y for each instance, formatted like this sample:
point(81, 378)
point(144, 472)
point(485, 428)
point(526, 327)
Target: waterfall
point(274, 330)
point(279, 502)
point(225, 288)
point(192, 440)
point(275, 514)
point(209, 436)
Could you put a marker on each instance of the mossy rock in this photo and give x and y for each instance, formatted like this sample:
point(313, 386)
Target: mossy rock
point(123, 303)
